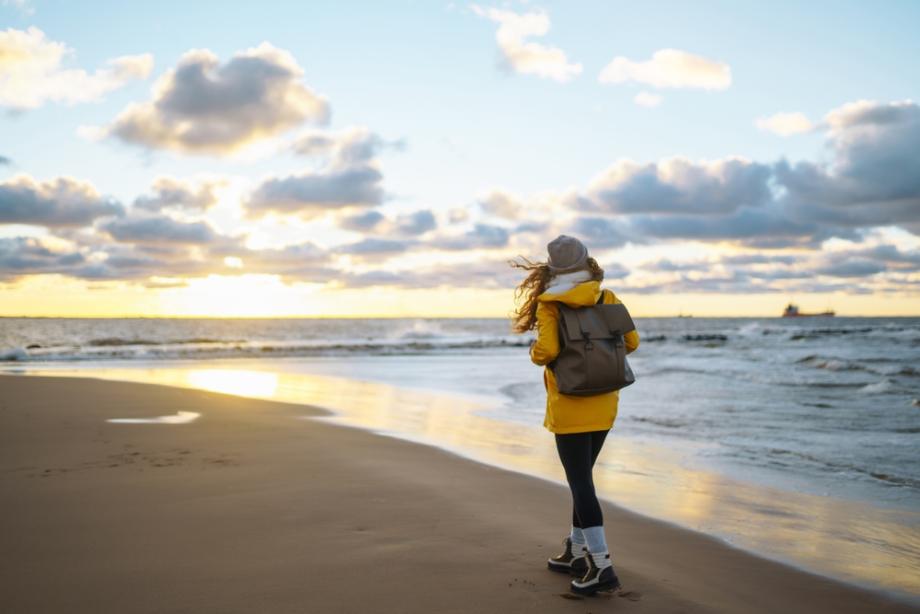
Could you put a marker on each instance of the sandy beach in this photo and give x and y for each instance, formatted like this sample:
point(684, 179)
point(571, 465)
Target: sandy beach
point(251, 509)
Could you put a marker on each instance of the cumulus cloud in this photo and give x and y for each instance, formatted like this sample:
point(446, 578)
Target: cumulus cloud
point(785, 124)
point(348, 147)
point(681, 186)
point(363, 221)
point(481, 236)
point(29, 255)
point(159, 229)
point(169, 192)
point(205, 107)
point(32, 72)
point(525, 56)
point(349, 177)
point(375, 246)
point(873, 178)
point(669, 68)
point(311, 193)
point(61, 202)
point(602, 232)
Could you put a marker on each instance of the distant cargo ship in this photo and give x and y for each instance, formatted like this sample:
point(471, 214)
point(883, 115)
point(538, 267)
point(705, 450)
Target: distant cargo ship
point(792, 311)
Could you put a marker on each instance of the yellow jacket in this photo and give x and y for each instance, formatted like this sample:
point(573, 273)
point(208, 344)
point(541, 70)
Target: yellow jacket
point(566, 413)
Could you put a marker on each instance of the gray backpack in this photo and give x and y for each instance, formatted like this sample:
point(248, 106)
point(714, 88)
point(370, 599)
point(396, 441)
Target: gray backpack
point(592, 356)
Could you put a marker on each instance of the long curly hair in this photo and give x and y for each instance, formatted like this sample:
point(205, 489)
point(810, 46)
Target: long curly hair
point(538, 278)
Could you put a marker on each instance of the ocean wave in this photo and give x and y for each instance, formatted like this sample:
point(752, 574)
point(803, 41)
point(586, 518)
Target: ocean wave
point(883, 386)
point(140, 349)
point(119, 342)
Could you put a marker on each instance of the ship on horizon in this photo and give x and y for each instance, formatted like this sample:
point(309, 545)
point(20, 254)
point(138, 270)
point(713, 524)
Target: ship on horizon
point(792, 311)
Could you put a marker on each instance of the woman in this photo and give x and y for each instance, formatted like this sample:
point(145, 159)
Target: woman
point(580, 423)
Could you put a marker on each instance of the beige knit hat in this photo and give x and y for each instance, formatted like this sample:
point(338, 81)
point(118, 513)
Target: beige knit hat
point(566, 254)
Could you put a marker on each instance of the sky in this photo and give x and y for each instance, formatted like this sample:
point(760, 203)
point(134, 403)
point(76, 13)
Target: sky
point(389, 158)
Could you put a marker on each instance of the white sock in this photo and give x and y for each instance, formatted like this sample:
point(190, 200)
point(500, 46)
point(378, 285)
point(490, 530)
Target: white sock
point(578, 540)
point(597, 545)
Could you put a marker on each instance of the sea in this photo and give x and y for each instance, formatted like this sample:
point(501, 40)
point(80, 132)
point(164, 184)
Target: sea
point(797, 439)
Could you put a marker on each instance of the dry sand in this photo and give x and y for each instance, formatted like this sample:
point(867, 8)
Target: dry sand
point(250, 509)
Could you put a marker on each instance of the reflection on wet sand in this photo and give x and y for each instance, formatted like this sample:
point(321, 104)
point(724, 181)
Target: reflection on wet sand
point(848, 540)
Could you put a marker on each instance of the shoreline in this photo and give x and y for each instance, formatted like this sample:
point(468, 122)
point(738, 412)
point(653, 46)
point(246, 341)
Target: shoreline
point(398, 502)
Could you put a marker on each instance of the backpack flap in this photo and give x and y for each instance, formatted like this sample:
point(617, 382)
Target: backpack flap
point(617, 318)
point(597, 322)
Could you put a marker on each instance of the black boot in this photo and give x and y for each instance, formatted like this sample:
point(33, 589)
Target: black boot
point(569, 562)
point(595, 578)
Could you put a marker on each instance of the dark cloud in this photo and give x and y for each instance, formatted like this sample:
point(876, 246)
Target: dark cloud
point(159, 229)
point(482, 236)
point(363, 221)
point(4, 161)
point(874, 176)
point(681, 186)
point(852, 268)
point(203, 106)
point(61, 202)
point(415, 223)
point(28, 255)
point(375, 246)
point(601, 232)
point(311, 193)
point(174, 193)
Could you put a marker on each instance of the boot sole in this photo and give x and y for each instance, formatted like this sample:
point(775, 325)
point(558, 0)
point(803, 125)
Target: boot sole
point(588, 591)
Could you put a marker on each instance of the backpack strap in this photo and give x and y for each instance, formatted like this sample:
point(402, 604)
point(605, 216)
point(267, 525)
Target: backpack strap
point(600, 301)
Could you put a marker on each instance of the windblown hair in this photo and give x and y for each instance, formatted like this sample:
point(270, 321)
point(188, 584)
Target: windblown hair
point(538, 278)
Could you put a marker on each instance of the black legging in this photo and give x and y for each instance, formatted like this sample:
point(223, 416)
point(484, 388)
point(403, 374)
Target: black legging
point(578, 451)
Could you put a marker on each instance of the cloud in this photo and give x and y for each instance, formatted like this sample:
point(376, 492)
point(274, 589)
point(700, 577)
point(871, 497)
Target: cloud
point(402, 225)
point(348, 147)
point(349, 177)
point(415, 223)
point(175, 193)
point(501, 204)
point(4, 161)
point(481, 236)
point(28, 255)
point(61, 202)
point(681, 186)
point(647, 99)
point(852, 268)
point(311, 193)
point(375, 246)
point(32, 72)
point(205, 107)
point(785, 124)
point(523, 56)
point(364, 221)
point(669, 68)
point(873, 178)
point(159, 229)
point(601, 232)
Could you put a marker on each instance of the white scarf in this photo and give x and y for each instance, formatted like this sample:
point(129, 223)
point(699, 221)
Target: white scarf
point(566, 281)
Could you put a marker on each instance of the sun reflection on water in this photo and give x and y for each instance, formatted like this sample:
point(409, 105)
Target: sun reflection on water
point(240, 382)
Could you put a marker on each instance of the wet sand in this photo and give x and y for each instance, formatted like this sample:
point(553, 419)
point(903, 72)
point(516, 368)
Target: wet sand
point(249, 509)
